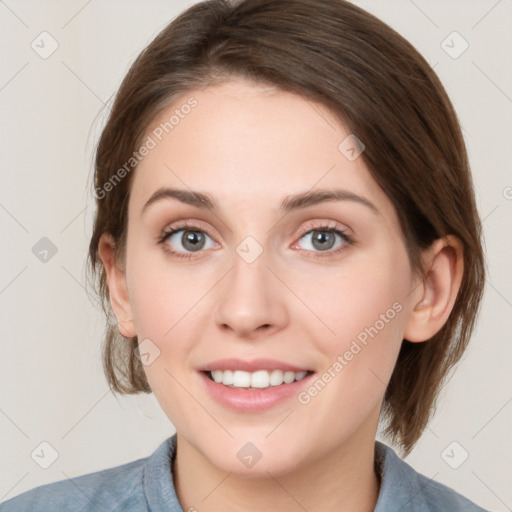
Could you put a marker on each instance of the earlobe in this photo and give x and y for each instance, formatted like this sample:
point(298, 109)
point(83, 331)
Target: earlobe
point(117, 286)
point(434, 298)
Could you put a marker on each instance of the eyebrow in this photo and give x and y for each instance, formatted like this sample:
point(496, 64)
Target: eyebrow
point(289, 203)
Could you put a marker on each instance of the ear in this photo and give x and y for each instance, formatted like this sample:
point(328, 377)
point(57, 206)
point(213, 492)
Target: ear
point(434, 297)
point(117, 287)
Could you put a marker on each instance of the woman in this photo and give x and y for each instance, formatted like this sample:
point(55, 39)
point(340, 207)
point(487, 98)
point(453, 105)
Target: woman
point(244, 138)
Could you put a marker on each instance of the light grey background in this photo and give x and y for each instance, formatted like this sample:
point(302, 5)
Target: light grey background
point(52, 110)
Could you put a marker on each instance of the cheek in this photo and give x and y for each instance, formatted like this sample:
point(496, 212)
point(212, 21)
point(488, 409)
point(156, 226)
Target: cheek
point(359, 330)
point(345, 302)
point(162, 295)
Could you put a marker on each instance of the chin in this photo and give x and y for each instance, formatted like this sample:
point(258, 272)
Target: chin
point(253, 455)
point(275, 464)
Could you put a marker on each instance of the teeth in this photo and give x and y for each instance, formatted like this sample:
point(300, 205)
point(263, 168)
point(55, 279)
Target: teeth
point(259, 379)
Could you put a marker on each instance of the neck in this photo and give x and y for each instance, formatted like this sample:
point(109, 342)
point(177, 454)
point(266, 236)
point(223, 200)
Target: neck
point(343, 480)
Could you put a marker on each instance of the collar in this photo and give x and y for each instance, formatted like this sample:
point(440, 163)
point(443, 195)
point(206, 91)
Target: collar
point(399, 485)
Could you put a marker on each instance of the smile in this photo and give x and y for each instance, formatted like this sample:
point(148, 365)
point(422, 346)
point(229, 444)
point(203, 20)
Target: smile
point(259, 379)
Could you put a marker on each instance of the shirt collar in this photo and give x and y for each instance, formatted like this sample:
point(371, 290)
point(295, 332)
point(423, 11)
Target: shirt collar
point(399, 485)
point(157, 478)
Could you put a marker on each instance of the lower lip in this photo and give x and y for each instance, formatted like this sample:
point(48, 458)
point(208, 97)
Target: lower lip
point(253, 400)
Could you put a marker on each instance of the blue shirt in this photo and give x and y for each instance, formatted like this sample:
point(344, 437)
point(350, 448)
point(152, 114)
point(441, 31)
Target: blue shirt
point(146, 485)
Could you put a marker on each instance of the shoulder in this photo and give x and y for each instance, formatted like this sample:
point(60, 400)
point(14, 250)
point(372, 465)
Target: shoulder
point(120, 488)
point(403, 487)
point(102, 490)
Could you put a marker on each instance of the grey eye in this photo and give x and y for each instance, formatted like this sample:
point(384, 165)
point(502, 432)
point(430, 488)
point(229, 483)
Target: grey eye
point(321, 239)
point(190, 240)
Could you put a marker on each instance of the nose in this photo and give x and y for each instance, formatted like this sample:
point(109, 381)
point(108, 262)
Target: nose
point(251, 299)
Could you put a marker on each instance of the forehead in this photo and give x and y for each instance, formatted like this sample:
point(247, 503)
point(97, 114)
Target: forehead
point(251, 145)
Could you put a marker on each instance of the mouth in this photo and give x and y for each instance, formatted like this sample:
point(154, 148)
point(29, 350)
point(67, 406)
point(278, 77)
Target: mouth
point(252, 386)
point(257, 380)
point(256, 385)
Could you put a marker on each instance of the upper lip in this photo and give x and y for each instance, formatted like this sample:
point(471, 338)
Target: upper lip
point(251, 365)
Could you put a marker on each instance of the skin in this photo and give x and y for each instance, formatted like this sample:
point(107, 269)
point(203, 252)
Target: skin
point(250, 146)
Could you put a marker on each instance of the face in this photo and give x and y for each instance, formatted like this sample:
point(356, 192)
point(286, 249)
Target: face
point(257, 286)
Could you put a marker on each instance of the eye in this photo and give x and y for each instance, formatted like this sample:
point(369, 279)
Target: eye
point(324, 239)
point(187, 239)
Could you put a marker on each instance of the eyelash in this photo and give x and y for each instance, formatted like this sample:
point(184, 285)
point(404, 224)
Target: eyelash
point(165, 235)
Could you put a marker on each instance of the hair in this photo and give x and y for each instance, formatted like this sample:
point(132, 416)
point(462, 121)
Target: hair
point(380, 88)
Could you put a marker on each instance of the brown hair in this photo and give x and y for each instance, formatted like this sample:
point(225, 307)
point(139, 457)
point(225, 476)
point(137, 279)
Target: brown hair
point(380, 87)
